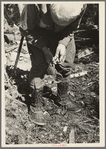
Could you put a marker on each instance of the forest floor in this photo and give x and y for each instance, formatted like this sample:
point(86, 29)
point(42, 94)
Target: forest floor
point(84, 90)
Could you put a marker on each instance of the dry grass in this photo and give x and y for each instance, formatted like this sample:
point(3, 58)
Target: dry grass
point(86, 121)
point(83, 90)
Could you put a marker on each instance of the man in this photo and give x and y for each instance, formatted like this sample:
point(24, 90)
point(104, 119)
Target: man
point(48, 29)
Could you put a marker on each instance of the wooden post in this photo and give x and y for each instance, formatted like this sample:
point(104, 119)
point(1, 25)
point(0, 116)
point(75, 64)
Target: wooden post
point(72, 135)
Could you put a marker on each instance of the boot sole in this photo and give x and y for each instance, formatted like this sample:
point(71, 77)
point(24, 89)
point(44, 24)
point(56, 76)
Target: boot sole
point(41, 124)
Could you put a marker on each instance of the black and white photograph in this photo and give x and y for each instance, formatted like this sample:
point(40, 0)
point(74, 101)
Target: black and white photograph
point(53, 62)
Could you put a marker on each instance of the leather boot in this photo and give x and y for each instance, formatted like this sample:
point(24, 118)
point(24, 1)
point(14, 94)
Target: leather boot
point(63, 88)
point(37, 114)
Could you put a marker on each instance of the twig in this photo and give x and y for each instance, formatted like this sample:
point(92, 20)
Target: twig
point(17, 101)
point(78, 74)
point(82, 39)
point(7, 50)
point(7, 79)
point(77, 31)
point(93, 65)
point(85, 55)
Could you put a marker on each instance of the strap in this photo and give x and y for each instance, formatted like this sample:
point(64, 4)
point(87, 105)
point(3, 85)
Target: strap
point(19, 50)
point(82, 13)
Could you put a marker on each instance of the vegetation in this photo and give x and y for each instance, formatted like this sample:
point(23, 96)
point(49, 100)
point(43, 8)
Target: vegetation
point(84, 90)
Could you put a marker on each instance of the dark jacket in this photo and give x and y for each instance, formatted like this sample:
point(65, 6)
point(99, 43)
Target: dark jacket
point(35, 34)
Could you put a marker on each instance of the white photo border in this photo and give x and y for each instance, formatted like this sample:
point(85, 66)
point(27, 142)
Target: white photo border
point(101, 76)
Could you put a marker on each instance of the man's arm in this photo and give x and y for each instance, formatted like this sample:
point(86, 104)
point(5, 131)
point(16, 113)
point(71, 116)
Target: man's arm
point(66, 36)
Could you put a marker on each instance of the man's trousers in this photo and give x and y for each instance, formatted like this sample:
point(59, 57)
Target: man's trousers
point(39, 65)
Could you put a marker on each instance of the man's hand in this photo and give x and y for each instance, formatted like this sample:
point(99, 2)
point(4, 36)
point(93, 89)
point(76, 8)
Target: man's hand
point(48, 55)
point(60, 54)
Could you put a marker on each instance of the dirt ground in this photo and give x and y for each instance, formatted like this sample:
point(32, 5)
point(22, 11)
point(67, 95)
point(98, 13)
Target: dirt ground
point(84, 90)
